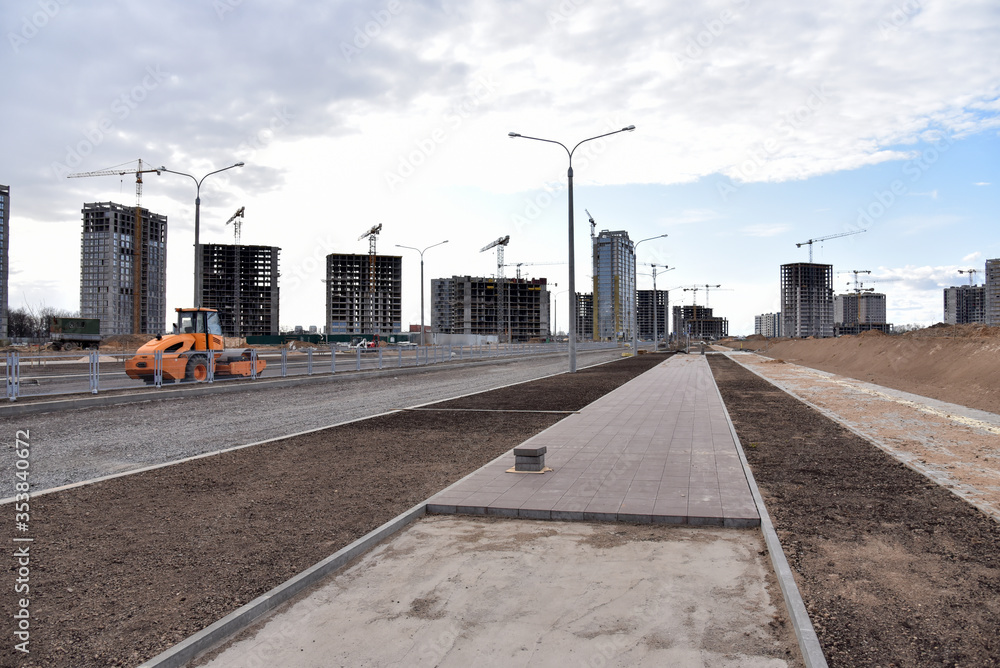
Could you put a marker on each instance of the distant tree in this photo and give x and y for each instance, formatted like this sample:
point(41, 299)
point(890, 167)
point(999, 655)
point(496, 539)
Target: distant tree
point(33, 322)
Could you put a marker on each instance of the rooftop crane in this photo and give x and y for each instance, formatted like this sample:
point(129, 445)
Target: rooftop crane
point(372, 235)
point(499, 244)
point(593, 226)
point(531, 264)
point(856, 272)
point(138, 238)
point(237, 220)
point(972, 274)
point(832, 236)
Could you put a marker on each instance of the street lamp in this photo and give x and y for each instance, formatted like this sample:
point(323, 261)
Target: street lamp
point(635, 285)
point(572, 260)
point(655, 302)
point(197, 227)
point(422, 341)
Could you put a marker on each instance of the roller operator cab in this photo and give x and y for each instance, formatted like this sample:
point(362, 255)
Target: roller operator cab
point(197, 336)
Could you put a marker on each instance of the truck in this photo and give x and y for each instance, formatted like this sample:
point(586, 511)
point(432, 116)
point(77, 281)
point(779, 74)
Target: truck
point(196, 338)
point(73, 333)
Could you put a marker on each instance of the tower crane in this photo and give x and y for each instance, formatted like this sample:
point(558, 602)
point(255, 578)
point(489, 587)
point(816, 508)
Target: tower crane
point(499, 244)
point(532, 264)
point(972, 274)
point(593, 226)
point(856, 272)
point(237, 220)
point(832, 236)
point(137, 238)
point(372, 235)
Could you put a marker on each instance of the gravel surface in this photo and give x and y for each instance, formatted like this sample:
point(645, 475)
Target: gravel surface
point(894, 569)
point(127, 567)
point(75, 445)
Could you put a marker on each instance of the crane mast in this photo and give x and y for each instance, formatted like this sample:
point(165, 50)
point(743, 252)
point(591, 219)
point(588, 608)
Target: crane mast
point(499, 244)
point(372, 235)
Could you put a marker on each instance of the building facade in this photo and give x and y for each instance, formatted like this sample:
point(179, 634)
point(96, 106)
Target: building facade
point(807, 300)
point(469, 305)
point(964, 304)
point(699, 323)
point(650, 306)
point(4, 256)
point(361, 299)
point(858, 312)
point(992, 316)
point(241, 283)
point(123, 268)
point(767, 324)
point(614, 286)
point(584, 316)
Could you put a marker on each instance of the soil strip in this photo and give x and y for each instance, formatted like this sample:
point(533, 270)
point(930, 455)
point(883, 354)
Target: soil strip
point(893, 568)
point(125, 568)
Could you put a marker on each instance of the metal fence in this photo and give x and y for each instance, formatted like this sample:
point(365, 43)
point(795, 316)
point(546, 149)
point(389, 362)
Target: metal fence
point(35, 375)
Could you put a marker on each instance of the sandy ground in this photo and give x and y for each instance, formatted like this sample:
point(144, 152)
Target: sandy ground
point(954, 446)
point(459, 591)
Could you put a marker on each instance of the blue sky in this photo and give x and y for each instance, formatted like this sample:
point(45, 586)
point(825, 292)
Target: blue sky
point(759, 125)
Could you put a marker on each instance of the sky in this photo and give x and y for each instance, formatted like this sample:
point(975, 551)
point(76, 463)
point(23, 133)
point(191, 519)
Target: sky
point(759, 126)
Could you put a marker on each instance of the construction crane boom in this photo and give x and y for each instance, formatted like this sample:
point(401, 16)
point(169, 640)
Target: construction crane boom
point(237, 220)
point(137, 238)
point(531, 264)
point(831, 236)
point(972, 274)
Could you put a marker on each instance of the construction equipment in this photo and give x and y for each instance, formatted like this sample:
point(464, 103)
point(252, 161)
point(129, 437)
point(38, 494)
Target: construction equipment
point(186, 353)
point(532, 264)
point(372, 235)
point(832, 236)
point(499, 244)
point(139, 241)
point(857, 283)
point(237, 220)
point(73, 333)
point(972, 274)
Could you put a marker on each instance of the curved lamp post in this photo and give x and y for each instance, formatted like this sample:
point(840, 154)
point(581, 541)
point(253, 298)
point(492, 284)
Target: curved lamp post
point(572, 261)
point(197, 227)
point(635, 287)
point(422, 335)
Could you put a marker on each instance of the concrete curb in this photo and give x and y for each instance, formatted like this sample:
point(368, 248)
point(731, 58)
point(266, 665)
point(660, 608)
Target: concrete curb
point(188, 649)
point(812, 651)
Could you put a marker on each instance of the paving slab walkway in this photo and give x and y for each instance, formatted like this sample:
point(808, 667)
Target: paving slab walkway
point(658, 449)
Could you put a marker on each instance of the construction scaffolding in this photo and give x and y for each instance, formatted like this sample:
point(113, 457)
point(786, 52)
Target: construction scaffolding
point(360, 301)
point(241, 283)
point(807, 300)
point(472, 305)
point(117, 275)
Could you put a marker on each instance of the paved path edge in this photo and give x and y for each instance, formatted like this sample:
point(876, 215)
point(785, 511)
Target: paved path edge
point(812, 651)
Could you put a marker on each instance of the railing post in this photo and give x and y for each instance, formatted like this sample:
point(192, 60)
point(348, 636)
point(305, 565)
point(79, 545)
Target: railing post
point(13, 375)
point(158, 368)
point(211, 365)
point(357, 364)
point(284, 362)
point(333, 358)
point(95, 371)
point(380, 357)
point(253, 364)
point(309, 361)
point(399, 365)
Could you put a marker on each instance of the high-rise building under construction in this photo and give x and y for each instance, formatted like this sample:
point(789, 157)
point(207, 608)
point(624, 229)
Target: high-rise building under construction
point(241, 283)
point(807, 300)
point(992, 292)
point(361, 301)
point(614, 286)
point(468, 305)
point(123, 270)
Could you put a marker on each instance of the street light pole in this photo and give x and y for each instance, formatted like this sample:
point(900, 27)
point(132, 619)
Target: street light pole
point(635, 288)
point(198, 259)
point(423, 342)
point(572, 250)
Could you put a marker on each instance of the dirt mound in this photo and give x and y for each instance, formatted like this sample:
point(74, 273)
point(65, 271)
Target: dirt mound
point(125, 341)
point(969, 331)
point(872, 333)
point(962, 367)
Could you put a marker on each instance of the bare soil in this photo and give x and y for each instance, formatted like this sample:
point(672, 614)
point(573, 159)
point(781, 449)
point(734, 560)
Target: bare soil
point(959, 364)
point(123, 569)
point(894, 569)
